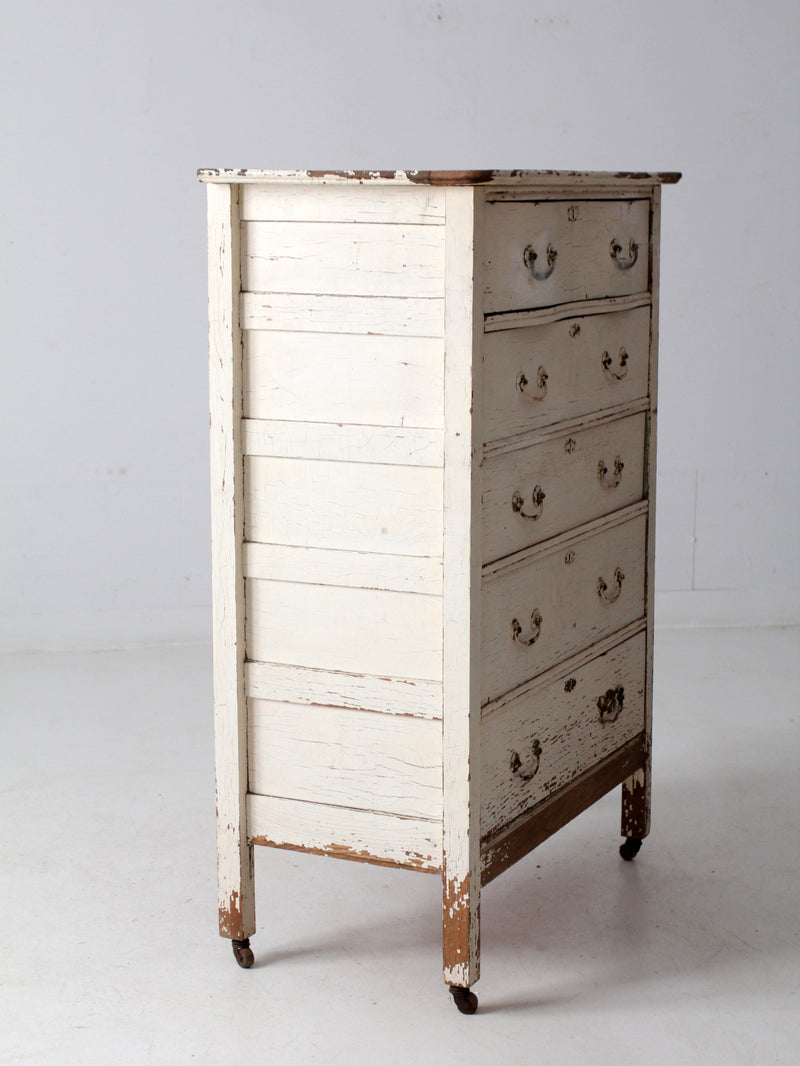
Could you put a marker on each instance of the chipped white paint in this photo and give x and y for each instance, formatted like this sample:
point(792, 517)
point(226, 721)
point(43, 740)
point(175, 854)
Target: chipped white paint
point(395, 510)
point(542, 740)
point(235, 858)
point(342, 443)
point(561, 586)
point(579, 235)
point(565, 471)
point(343, 259)
point(376, 762)
point(308, 377)
point(367, 835)
point(572, 355)
point(381, 204)
point(337, 688)
point(382, 315)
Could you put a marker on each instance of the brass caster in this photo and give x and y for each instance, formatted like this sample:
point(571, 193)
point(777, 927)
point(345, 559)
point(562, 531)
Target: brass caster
point(630, 848)
point(242, 953)
point(466, 1001)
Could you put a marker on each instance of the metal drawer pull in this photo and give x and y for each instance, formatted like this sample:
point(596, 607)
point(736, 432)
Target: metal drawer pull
point(623, 365)
point(610, 704)
point(536, 626)
point(602, 473)
point(533, 766)
point(633, 253)
point(529, 257)
point(602, 587)
point(537, 499)
point(541, 385)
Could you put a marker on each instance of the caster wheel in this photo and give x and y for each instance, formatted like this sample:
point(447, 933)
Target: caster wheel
point(466, 1001)
point(242, 953)
point(630, 849)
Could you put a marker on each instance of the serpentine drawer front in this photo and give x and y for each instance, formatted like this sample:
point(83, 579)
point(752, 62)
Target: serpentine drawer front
point(433, 457)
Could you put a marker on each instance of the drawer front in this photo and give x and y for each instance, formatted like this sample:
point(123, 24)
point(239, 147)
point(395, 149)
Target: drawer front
point(537, 614)
point(535, 493)
point(537, 375)
point(537, 744)
point(546, 253)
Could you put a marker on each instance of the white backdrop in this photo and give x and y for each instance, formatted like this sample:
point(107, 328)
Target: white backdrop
point(109, 110)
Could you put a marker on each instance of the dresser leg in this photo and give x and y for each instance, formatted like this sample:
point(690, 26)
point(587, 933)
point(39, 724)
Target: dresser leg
point(636, 804)
point(466, 1001)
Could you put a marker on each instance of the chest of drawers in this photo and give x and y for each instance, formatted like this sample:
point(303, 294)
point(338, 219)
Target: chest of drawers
point(433, 413)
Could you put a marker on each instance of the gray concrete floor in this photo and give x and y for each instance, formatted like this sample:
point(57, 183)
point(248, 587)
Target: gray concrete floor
point(110, 952)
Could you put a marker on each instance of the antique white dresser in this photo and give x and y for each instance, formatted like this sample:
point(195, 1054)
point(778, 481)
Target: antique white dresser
point(433, 414)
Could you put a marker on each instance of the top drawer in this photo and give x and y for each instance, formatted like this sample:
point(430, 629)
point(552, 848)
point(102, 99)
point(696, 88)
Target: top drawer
point(551, 252)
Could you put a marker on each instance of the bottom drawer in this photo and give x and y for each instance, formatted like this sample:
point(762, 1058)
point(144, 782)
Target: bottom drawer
point(540, 741)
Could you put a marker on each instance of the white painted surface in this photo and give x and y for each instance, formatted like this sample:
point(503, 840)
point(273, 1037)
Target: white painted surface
point(395, 317)
point(353, 506)
point(375, 762)
point(287, 202)
point(343, 259)
point(306, 376)
point(341, 442)
point(580, 234)
point(566, 469)
point(553, 734)
point(392, 634)
point(571, 355)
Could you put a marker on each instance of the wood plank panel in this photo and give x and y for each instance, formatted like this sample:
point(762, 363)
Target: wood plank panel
point(304, 312)
point(324, 566)
point(354, 506)
point(539, 375)
point(562, 587)
point(390, 634)
point(309, 377)
point(335, 688)
point(580, 232)
point(340, 259)
point(375, 762)
point(342, 442)
point(409, 205)
point(541, 741)
point(345, 833)
point(566, 470)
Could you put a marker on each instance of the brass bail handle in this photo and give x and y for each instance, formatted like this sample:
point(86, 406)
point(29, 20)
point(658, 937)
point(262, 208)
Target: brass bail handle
point(537, 499)
point(633, 253)
point(602, 587)
point(608, 369)
point(541, 386)
point(536, 629)
point(530, 255)
point(531, 768)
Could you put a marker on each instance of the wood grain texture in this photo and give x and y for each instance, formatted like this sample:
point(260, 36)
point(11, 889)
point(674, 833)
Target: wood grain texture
point(337, 688)
point(580, 232)
point(234, 856)
point(566, 470)
point(375, 762)
point(541, 741)
point(344, 833)
point(320, 566)
point(562, 586)
point(343, 203)
point(571, 354)
point(462, 595)
point(534, 827)
point(389, 634)
point(343, 259)
point(309, 377)
point(383, 315)
point(394, 510)
point(342, 442)
point(536, 178)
